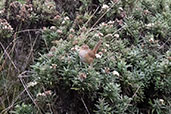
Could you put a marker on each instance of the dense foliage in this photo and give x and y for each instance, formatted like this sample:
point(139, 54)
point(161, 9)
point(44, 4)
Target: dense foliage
point(132, 73)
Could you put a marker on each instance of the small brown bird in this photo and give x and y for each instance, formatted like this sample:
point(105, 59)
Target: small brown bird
point(86, 54)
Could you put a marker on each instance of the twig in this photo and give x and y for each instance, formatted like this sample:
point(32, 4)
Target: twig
point(31, 50)
point(9, 57)
point(119, 29)
point(13, 41)
point(8, 47)
point(132, 98)
point(85, 105)
point(164, 43)
point(101, 17)
point(26, 30)
point(92, 16)
point(29, 94)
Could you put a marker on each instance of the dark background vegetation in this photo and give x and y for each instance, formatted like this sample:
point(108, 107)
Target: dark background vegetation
point(41, 72)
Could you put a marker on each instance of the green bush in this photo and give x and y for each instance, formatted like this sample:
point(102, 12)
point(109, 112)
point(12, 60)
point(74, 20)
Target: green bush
point(134, 53)
point(132, 73)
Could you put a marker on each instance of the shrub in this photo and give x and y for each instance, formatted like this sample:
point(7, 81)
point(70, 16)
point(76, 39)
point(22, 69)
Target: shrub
point(131, 73)
point(23, 109)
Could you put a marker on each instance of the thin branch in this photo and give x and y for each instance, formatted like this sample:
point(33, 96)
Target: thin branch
point(26, 30)
point(13, 41)
point(31, 50)
point(164, 44)
point(101, 17)
point(132, 98)
point(85, 105)
point(92, 15)
point(118, 29)
point(9, 57)
point(28, 93)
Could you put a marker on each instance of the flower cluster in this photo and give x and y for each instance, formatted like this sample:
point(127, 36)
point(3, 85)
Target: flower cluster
point(5, 29)
point(19, 11)
point(44, 94)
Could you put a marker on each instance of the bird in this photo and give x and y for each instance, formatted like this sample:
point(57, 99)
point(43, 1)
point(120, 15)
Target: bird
point(87, 55)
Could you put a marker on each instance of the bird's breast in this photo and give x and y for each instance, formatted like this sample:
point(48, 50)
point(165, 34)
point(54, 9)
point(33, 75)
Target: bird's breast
point(82, 54)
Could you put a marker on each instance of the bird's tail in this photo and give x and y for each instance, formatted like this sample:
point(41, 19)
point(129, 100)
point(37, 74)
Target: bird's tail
point(95, 49)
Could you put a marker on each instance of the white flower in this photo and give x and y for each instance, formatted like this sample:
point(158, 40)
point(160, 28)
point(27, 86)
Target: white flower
point(63, 22)
point(101, 34)
point(53, 28)
point(104, 7)
point(31, 9)
point(66, 18)
point(104, 50)
point(5, 27)
point(149, 25)
point(111, 22)
point(116, 35)
point(31, 84)
point(98, 56)
point(53, 66)
point(96, 35)
point(161, 101)
point(120, 8)
point(1, 11)
point(115, 73)
point(107, 45)
point(41, 94)
point(49, 92)
point(103, 24)
point(44, 28)
point(76, 48)
point(59, 31)
point(151, 40)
